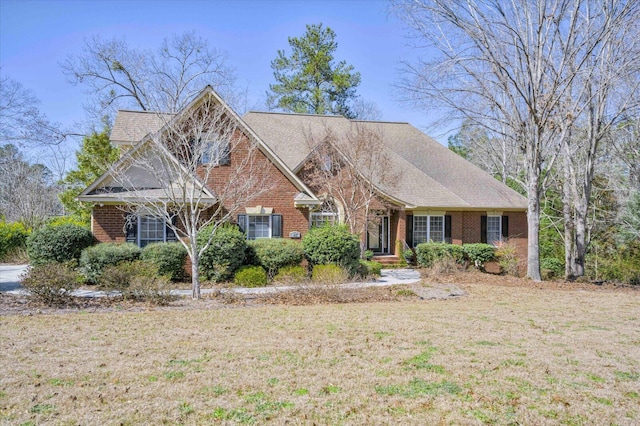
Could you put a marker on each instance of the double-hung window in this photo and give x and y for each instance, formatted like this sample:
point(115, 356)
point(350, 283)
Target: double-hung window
point(143, 230)
point(257, 226)
point(494, 229)
point(328, 215)
point(428, 228)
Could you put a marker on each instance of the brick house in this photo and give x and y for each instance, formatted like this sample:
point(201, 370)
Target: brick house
point(434, 195)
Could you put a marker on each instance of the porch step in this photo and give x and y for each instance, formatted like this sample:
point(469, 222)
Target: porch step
point(387, 260)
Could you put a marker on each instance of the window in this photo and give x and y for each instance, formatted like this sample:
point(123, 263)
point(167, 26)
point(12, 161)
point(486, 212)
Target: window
point(328, 215)
point(215, 152)
point(494, 229)
point(428, 228)
point(261, 226)
point(143, 230)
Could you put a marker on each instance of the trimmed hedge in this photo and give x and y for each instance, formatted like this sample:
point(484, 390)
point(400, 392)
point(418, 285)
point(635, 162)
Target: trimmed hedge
point(60, 244)
point(225, 255)
point(13, 236)
point(251, 276)
point(333, 244)
point(479, 254)
point(167, 257)
point(95, 259)
point(275, 253)
point(428, 253)
point(370, 268)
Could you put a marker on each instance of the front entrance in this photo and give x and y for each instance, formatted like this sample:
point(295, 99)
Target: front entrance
point(378, 235)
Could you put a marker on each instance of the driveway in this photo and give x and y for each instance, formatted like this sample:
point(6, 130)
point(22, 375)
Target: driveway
point(10, 277)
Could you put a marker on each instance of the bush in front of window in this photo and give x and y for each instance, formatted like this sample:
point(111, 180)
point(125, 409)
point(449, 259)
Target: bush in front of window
point(167, 257)
point(479, 254)
point(274, 253)
point(429, 253)
point(251, 276)
point(225, 255)
point(329, 274)
point(333, 244)
point(95, 259)
point(59, 244)
point(51, 284)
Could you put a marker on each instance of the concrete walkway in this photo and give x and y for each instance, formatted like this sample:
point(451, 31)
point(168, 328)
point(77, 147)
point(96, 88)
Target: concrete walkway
point(10, 283)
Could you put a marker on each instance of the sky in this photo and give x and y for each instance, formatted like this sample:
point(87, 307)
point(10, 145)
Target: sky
point(36, 36)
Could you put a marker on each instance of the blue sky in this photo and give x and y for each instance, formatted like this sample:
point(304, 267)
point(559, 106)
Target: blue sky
point(35, 36)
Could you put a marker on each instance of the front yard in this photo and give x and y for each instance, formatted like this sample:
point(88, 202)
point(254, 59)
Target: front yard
point(510, 353)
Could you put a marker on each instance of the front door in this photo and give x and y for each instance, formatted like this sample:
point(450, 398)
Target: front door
point(378, 235)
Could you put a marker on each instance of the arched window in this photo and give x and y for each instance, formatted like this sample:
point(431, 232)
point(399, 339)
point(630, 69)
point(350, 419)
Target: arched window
point(327, 215)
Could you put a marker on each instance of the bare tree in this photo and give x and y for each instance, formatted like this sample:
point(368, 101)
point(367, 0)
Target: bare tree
point(511, 67)
point(28, 192)
point(197, 171)
point(21, 122)
point(351, 167)
point(118, 76)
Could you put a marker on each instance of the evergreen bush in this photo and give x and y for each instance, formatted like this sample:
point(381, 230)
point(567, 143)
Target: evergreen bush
point(333, 244)
point(225, 254)
point(95, 259)
point(551, 267)
point(275, 253)
point(291, 274)
point(251, 276)
point(428, 253)
point(60, 244)
point(369, 268)
point(167, 257)
point(137, 280)
point(479, 254)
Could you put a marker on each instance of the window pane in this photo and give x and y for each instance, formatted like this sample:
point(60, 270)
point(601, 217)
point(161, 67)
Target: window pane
point(436, 229)
point(151, 230)
point(322, 219)
point(420, 229)
point(259, 227)
point(494, 231)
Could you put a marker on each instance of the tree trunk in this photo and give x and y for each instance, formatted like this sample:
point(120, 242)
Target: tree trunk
point(567, 218)
point(533, 227)
point(195, 272)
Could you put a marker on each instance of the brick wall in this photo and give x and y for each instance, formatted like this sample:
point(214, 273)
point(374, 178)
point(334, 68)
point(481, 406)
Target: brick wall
point(107, 224)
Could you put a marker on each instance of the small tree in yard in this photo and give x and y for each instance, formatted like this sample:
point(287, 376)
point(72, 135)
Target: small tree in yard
point(352, 168)
point(197, 171)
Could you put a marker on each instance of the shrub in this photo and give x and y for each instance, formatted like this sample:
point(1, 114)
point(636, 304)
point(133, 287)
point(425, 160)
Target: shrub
point(275, 253)
point(13, 237)
point(622, 265)
point(428, 253)
point(550, 268)
point(444, 265)
point(329, 274)
point(479, 254)
point(225, 254)
point(333, 244)
point(370, 268)
point(68, 220)
point(507, 259)
point(167, 257)
point(290, 274)
point(95, 259)
point(368, 254)
point(51, 284)
point(137, 280)
point(58, 243)
point(408, 256)
point(251, 276)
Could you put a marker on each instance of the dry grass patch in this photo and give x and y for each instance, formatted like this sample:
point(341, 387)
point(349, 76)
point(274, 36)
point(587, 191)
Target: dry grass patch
point(501, 354)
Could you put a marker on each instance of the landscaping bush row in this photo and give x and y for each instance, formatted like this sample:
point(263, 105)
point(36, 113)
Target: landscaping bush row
point(476, 254)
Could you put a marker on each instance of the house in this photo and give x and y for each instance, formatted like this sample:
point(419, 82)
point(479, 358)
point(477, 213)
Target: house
point(429, 194)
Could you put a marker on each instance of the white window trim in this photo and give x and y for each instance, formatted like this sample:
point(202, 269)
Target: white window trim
point(428, 228)
point(139, 230)
point(499, 240)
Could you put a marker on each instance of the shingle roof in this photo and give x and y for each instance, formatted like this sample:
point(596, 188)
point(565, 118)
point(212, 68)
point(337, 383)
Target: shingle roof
point(429, 174)
point(131, 126)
